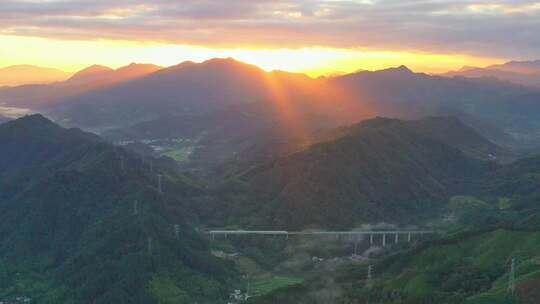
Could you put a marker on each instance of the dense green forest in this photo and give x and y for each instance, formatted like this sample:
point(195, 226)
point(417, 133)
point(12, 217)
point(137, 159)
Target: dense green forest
point(470, 263)
point(379, 170)
point(84, 221)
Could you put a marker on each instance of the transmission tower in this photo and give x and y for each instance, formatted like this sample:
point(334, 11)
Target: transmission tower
point(248, 287)
point(177, 231)
point(122, 163)
point(135, 207)
point(369, 275)
point(160, 189)
point(512, 276)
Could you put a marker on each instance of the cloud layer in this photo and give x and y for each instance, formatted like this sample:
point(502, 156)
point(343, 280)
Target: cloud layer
point(504, 28)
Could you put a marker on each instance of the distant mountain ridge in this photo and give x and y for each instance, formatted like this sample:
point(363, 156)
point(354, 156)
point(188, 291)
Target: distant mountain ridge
point(214, 85)
point(39, 96)
point(90, 72)
point(28, 74)
point(398, 93)
point(97, 74)
point(520, 72)
point(524, 67)
point(185, 89)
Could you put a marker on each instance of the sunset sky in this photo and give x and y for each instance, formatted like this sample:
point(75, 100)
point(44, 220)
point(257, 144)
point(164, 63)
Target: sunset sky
point(313, 36)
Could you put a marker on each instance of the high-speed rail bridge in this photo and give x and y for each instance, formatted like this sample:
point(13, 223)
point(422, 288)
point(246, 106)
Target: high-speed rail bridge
point(384, 235)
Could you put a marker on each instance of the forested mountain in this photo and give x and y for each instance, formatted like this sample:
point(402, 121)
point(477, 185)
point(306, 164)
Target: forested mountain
point(471, 267)
point(498, 248)
point(518, 185)
point(491, 239)
point(398, 92)
point(84, 222)
point(379, 170)
point(73, 232)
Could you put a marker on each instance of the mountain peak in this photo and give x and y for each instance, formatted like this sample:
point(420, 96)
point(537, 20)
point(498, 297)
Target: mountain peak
point(94, 69)
point(402, 69)
point(138, 69)
point(31, 124)
point(229, 62)
point(90, 71)
point(33, 119)
point(466, 68)
point(221, 60)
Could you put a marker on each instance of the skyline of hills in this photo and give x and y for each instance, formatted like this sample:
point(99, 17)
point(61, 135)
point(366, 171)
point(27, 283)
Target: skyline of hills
point(513, 67)
point(141, 93)
point(24, 74)
point(525, 73)
point(38, 96)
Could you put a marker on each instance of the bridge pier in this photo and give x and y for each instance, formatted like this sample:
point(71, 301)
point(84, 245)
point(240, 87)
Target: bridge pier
point(384, 240)
point(135, 207)
point(409, 237)
point(356, 245)
point(397, 238)
point(160, 187)
point(371, 239)
point(177, 231)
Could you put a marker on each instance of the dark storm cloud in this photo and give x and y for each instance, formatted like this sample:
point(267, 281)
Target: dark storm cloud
point(482, 27)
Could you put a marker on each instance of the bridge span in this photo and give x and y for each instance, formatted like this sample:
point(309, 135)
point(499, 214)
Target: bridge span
point(384, 234)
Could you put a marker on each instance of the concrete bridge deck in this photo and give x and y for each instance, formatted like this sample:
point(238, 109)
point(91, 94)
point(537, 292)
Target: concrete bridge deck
point(371, 233)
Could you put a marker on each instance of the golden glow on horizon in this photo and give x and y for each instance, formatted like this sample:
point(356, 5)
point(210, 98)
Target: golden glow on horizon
point(314, 61)
point(498, 8)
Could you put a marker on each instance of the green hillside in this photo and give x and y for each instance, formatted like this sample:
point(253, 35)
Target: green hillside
point(380, 170)
point(468, 268)
point(71, 231)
